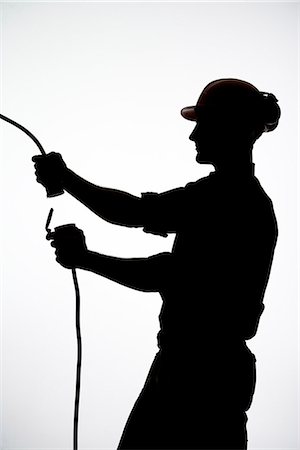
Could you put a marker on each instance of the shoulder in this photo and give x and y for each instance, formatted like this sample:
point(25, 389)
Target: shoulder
point(197, 187)
point(202, 183)
point(180, 192)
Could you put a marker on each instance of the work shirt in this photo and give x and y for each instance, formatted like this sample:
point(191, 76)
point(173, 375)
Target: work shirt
point(213, 282)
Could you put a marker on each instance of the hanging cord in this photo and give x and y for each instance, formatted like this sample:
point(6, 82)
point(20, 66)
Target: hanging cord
point(77, 293)
point(79, 354)
point(79, 346)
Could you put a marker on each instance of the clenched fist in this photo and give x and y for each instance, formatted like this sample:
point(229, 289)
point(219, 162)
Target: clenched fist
point(69, 242)
point(50, 170)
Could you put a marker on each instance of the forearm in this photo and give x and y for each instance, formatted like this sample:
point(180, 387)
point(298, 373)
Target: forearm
point(144, 274)
point(114, 206)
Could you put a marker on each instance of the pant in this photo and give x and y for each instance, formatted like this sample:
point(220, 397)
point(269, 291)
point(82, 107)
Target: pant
point(193, 403)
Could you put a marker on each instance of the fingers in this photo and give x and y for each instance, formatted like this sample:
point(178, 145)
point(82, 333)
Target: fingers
point(66, 259)
point(70, 248)
point(64, 240)
point(49, 168)
point(43, 172)
point(69, 243)
point(67, 251)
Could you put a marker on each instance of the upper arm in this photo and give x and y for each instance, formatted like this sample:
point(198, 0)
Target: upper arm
point(161, 212)
point(170, 211)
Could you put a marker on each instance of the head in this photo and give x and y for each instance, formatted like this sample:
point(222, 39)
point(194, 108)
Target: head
point(230, 116)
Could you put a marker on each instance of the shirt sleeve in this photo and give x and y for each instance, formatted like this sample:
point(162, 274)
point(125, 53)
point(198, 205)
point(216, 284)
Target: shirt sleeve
point(170, 211)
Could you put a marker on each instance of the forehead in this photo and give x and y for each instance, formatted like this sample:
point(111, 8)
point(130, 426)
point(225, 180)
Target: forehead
point(222, 116)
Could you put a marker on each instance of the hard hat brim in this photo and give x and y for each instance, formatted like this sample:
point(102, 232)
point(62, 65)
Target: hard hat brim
point(189, 113)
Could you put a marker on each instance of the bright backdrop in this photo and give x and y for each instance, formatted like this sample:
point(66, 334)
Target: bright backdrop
point(103, 84)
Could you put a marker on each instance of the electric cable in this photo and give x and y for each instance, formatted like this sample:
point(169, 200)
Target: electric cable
point(16, 124)
point(79, 357)
point(77, 294)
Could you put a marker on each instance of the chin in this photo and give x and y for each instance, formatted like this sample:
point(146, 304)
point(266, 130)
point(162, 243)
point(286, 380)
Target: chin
point(201, 160)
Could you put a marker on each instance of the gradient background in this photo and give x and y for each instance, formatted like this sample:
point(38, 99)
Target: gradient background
point(103, 83)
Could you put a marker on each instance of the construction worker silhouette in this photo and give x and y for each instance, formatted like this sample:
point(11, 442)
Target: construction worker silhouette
point(212, 284)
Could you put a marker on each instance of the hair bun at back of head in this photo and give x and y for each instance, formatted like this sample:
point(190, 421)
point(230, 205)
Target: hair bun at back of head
point(271, 111)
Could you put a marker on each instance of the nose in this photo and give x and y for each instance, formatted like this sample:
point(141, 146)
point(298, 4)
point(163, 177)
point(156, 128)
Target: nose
point(193, 134)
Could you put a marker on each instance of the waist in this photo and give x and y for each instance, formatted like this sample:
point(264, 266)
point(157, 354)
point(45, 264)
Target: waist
point(205, 363)
point(196, 341)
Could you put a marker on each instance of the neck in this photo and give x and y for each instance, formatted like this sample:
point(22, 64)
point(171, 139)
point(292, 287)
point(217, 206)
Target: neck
point(235, 166)
point(239, 158)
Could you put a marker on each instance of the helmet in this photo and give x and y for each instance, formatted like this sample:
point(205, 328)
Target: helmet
point(230, 97)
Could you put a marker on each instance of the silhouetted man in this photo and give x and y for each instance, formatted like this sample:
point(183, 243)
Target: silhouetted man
point(212, 284)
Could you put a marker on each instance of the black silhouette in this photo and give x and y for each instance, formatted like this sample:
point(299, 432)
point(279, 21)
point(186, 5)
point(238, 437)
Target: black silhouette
point(212, 284)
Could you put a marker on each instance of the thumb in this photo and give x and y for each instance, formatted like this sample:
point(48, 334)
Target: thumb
point(37, 158)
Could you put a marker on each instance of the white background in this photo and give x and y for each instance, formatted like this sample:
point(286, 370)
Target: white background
point(103, 83)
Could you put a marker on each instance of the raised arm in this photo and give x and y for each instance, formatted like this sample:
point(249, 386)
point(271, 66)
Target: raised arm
point(111, 205)
point(159, 214)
